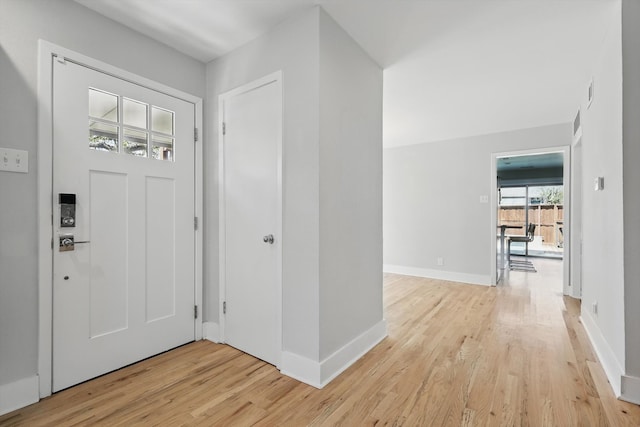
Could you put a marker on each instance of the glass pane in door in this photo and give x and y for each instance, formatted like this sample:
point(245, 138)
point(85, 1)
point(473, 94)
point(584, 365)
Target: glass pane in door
point(546, 209)
point(513, 215)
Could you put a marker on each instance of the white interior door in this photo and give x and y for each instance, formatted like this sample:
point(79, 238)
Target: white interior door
point(251, 225)
point(126, 290)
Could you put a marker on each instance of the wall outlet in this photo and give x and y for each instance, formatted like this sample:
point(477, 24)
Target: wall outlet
point(594, 308)
point(440, 261)
point(484, 199)
point(14, 160)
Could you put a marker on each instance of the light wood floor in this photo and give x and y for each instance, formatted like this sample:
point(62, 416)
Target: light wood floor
point(515, 355)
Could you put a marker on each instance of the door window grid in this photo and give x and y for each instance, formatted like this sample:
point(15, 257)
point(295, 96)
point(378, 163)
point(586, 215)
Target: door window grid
point(113, 118)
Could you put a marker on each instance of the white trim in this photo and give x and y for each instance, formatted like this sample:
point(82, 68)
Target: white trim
point(301, 368)
point(199, 212)
point(452, 276)
point(46, 53)
point(493, 214)
point(319, 374)
point(44, 176)
point(211, 331)
point(222, 230)
point(630, 389)
point(276, 78)
point(575, 267)
point(18, 394)
point(346, 356)
point(567, 289)
point(566, 150)
point(612, 368)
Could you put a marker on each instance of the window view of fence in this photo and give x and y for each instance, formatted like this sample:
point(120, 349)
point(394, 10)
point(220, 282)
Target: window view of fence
point(540, 205)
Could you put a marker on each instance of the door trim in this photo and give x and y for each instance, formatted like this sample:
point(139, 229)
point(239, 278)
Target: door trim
point(577, 196)
point(271, 78)
point(566, 151)
point(47, 53)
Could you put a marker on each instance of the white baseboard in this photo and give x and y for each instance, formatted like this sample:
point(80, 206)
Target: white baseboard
point(19, 394)
point(630, 389)
point(612, 368)
point(319, 374)
point(452, 276)
point(301, 368)
point(211, 331)
point(339, 361)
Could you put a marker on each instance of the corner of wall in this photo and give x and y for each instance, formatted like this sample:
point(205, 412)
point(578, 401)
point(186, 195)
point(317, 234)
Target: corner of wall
point(630, 390)
point(211, 331)
point(301, 368)
point(319, 374)
point(346, 356)
point(19, 394)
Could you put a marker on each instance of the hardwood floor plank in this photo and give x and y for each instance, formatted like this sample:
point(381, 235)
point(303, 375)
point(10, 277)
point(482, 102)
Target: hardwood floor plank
point(456, 355)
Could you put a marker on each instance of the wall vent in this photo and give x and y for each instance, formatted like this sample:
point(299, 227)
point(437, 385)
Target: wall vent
point(577, 128)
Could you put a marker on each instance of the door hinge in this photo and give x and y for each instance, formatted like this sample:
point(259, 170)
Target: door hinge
point(195, 311)
point(195, 134)
point(195, 222)
point(224, 128)
point(224, 307)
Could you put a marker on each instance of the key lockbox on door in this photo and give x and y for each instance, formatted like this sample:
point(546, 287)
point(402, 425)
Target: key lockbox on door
point(67, 243)
point(67, 209)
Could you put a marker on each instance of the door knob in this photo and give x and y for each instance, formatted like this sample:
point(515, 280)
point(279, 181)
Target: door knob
point(268, 239)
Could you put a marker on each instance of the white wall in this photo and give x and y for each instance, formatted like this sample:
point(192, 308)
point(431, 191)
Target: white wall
point(66, 23)
point(293, 48)
point(332, 143)
point(602, 211)
point(432, 202)
point(631, 159)
point(350, 189)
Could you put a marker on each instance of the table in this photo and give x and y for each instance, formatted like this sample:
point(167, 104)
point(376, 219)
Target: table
point(502, 228)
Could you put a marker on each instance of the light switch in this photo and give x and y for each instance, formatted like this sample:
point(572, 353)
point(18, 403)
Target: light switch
point(484, 199)
point(14, 160)
point(598, 183)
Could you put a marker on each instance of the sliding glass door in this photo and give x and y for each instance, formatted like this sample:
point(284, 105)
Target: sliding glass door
point(540, 205)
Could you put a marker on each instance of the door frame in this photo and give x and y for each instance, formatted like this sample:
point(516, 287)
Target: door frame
point(276, 78)
point(576, 215)
point(47, 53)
point(566, 257)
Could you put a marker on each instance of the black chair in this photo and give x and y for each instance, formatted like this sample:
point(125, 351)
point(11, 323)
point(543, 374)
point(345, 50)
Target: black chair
point(525, 265)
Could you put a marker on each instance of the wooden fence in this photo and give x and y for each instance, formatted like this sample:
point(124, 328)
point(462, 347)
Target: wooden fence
point(547, 218)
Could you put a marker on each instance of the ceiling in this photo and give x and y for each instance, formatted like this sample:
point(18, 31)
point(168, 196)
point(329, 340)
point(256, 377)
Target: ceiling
point(452, 68)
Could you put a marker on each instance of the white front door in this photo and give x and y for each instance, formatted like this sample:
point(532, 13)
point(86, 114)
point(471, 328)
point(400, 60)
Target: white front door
point(252, 240)
point(125, 292)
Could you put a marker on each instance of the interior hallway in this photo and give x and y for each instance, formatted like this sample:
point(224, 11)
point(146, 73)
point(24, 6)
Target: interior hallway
point(456, 354)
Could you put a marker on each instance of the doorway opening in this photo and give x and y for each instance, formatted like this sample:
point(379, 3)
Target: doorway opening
point(531, 214)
